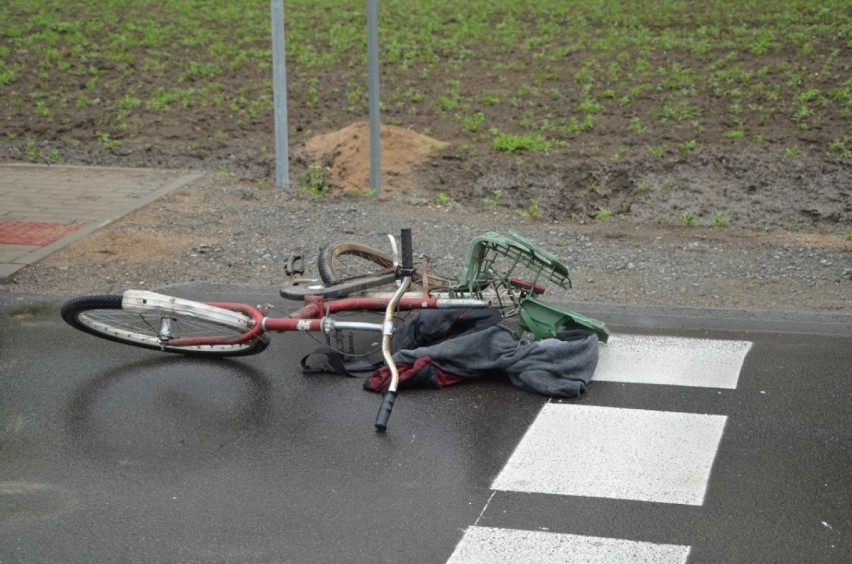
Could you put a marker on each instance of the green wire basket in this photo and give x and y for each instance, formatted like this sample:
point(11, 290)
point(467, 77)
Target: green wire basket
point(519, 270)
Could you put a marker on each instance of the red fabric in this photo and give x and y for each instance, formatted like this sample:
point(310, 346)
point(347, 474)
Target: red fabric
point(420, 374)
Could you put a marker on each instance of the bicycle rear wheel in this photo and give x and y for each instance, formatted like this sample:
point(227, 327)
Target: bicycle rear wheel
point(348, 260)
point(345, 261)
point(104, 317)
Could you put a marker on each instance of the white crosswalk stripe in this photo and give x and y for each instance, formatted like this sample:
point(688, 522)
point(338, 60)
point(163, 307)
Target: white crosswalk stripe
point(615, 453)
point(487, 545)
point(672, 360)
point(611, 452)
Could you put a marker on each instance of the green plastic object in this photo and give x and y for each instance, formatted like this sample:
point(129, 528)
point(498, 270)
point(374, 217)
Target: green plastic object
point(546, 320)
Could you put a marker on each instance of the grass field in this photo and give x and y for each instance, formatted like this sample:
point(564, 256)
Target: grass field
point(518, 75)
point(559, 86)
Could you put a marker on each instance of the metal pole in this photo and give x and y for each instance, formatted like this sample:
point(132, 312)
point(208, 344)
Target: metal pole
point(373, 79)
point(279, 81)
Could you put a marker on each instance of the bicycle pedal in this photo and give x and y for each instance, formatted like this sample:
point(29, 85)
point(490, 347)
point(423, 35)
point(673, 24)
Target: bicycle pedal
point(295, 265)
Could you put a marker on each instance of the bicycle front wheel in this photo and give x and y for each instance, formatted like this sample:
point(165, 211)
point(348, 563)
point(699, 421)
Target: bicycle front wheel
point(104, 317)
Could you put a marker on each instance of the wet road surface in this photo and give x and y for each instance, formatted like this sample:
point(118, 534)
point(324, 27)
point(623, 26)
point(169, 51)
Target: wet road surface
point(109, 453)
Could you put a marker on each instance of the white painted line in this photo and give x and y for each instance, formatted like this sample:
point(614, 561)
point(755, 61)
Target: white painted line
point(507, 546)
point(656, 456)
point(675, 361)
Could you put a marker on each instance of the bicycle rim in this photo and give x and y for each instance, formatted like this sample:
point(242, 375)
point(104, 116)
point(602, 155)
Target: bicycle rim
point(349, 260)
point(104, 317)
point(346, 261)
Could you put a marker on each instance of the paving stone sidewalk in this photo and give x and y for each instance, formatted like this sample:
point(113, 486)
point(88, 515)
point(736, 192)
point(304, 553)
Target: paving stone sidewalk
point(43, 208)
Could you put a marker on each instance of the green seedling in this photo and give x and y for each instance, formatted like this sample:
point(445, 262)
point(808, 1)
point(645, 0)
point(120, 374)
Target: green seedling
point(107, 141)
point(41, 109)
point(641, 188)
point(315, 180)
point(493, 201)
point(313, 97)
point(530, 142)
point(589, 106)
point(8, 75)
point(54, 156)
point(841, 147)
point(33, 152)
point(587, 124)
point(635, 126)
point(659, 151)
point(533, 211)
point(443, 199)
point(688, 146)
point(687, 219)
point(719, 220)
point(474, 122)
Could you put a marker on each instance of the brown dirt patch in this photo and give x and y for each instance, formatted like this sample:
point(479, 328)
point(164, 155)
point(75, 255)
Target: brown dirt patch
point(346, 153)
point(113, 246)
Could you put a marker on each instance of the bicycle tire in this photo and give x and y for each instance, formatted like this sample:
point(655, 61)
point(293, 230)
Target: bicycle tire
point(345, 261)
point(332, 269)
point(103, 316)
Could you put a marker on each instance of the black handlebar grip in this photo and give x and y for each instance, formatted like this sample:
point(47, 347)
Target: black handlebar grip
point(385, 410)
point(407, 266)
point(407, 254)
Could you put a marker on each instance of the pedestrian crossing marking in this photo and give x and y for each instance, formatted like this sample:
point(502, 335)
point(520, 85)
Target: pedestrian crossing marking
point(488, 545)
point(671, 360)
point(617, 453)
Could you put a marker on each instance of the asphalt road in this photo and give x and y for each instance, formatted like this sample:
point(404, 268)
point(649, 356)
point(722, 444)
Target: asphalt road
point(108, 453)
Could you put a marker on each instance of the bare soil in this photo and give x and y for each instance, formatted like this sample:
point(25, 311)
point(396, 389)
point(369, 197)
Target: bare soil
point(345, 158)
point(791, 180)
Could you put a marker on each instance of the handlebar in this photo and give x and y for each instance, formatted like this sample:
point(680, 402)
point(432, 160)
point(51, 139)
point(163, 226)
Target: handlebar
point(405, 272)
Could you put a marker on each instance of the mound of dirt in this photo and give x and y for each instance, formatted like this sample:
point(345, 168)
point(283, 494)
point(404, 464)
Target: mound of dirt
point(344, 156)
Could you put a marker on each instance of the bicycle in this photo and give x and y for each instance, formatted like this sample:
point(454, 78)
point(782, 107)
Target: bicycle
point(490, 278)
